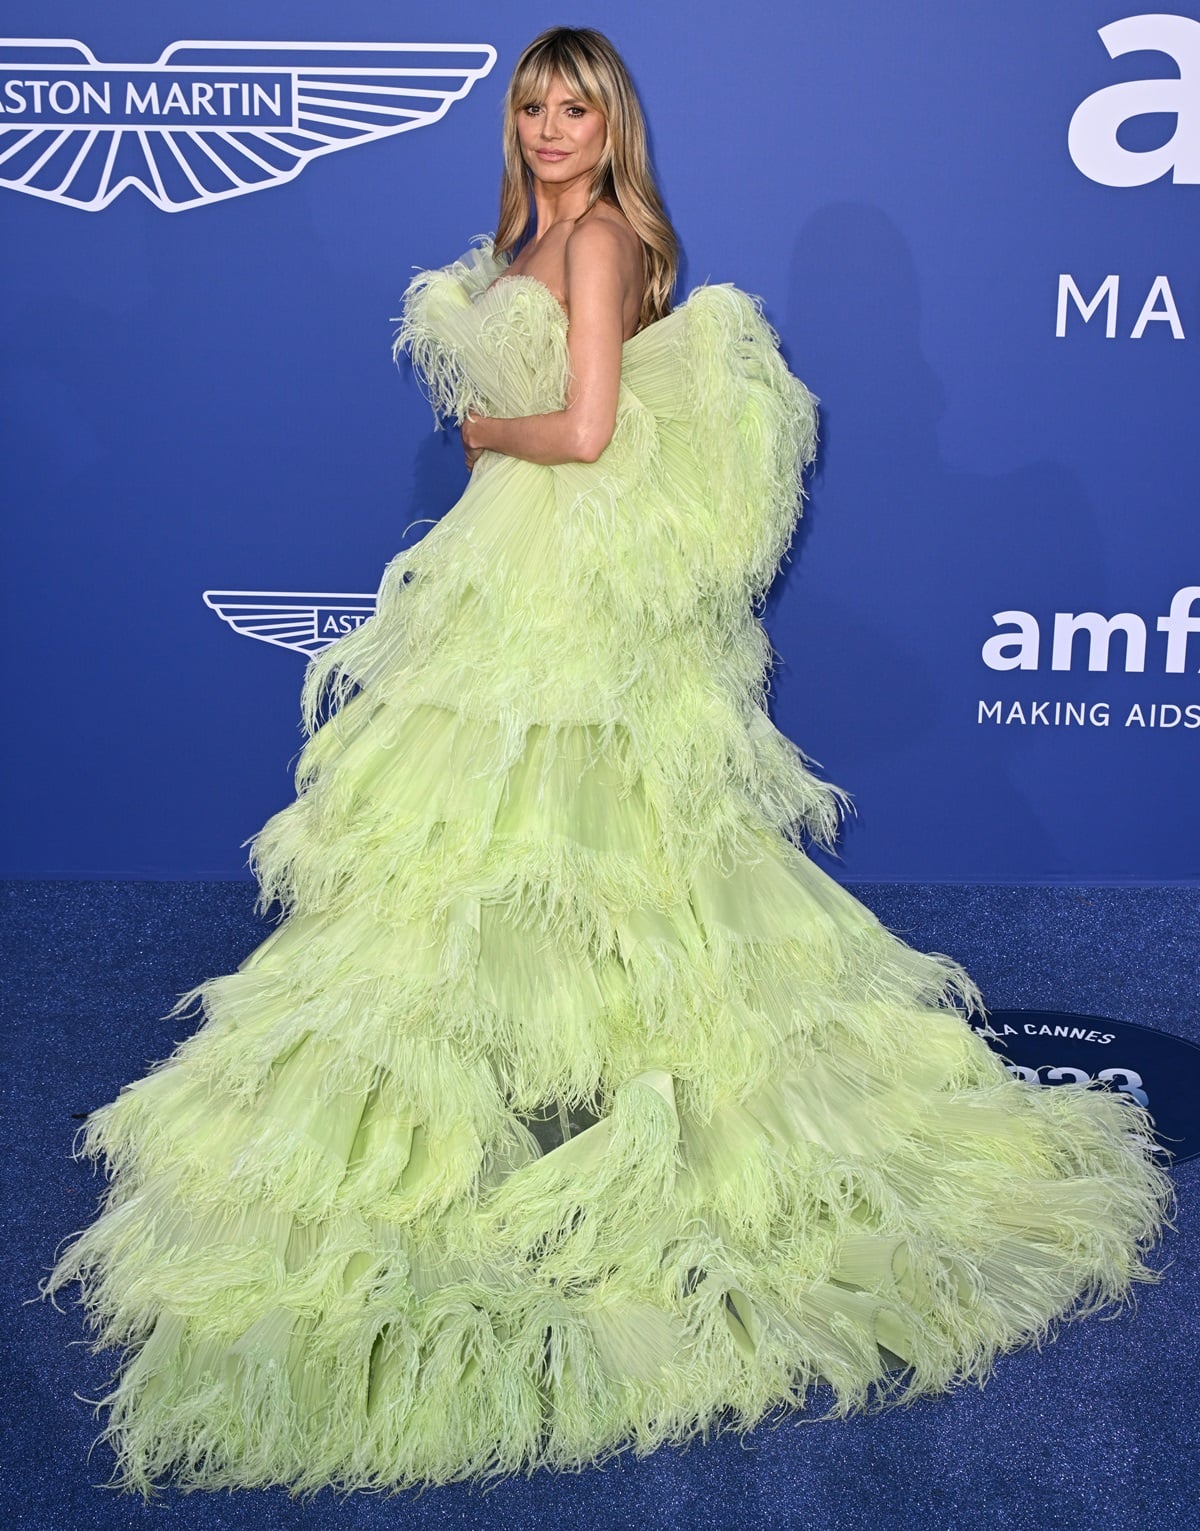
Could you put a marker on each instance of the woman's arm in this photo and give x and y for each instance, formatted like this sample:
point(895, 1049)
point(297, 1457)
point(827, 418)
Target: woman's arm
point(596, 281)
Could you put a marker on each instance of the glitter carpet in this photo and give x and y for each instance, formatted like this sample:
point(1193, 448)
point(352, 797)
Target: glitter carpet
point(1101, 1425)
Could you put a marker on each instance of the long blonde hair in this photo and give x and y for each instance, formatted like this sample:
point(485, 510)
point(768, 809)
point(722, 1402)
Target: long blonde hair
point(592, 70)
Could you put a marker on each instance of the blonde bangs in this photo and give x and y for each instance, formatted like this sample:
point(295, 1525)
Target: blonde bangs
point(531, 81)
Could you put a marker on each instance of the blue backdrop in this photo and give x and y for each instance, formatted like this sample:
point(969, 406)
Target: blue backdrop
point(200, 395)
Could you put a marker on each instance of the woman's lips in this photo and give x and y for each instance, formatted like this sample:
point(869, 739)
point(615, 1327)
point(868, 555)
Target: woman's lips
point(550, 154)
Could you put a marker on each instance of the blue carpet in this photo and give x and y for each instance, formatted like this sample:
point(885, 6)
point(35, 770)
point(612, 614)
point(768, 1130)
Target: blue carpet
point(1095, 1429)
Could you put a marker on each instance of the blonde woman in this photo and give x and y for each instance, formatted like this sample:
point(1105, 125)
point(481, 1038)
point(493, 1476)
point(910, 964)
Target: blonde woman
point(570, 1106)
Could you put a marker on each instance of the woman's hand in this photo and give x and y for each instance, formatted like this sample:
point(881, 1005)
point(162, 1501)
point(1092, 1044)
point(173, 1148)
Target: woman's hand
point(472, 439)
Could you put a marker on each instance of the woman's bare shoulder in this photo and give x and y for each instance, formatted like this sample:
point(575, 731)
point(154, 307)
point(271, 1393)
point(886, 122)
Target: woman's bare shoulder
point(605, 231)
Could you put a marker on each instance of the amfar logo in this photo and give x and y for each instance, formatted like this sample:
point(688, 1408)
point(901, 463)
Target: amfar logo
point(1092, 136)
point(210, 120)
point(1021, 647)
point(306, 621)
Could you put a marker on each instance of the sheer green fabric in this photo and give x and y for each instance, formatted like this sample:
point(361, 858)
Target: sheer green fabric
point(570, 1106)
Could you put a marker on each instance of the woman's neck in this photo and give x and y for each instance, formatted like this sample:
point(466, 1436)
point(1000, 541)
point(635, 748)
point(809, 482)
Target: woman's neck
point(560, 205)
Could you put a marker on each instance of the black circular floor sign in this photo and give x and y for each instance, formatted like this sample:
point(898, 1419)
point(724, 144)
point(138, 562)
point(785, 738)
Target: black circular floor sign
point(1159, 1071)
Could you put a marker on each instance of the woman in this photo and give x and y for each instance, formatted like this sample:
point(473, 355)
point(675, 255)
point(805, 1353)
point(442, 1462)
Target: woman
point(571, 1106)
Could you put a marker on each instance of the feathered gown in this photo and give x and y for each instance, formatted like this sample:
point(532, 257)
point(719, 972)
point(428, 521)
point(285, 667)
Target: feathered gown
point(570, 1106)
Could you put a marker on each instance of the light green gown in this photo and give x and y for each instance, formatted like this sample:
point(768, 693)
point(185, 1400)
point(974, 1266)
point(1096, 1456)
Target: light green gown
point(571, 1105)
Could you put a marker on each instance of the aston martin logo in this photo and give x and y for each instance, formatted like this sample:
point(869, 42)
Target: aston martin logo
point(302, 620)
point(210, 120)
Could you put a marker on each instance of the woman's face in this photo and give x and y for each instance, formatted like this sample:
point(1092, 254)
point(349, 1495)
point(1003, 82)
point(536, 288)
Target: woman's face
point(562, 137)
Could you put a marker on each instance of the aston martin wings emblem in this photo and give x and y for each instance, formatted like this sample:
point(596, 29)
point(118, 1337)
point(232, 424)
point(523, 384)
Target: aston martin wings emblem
point(305, 621)
point(210, 120)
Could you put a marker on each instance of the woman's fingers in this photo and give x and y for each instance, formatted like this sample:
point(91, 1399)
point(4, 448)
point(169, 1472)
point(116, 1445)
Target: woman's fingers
point(470, 450)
